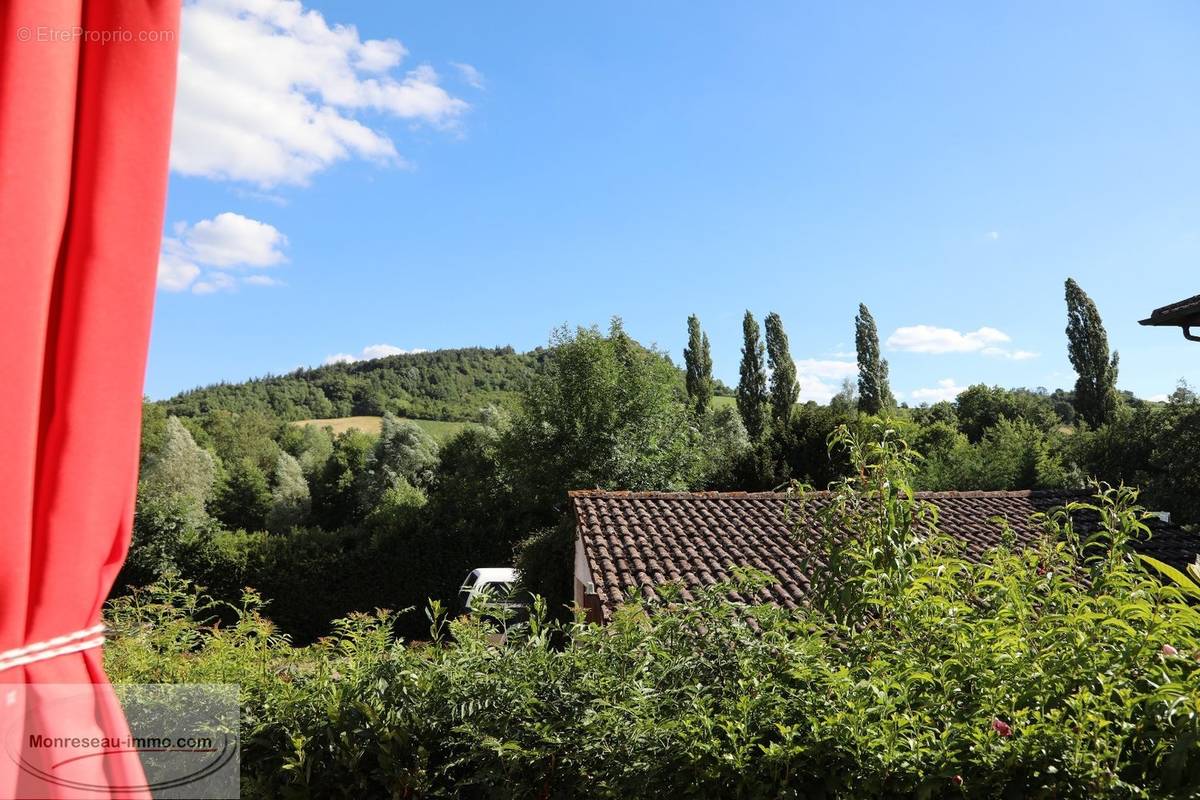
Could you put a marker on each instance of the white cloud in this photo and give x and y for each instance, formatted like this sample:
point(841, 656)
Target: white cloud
point(931, 339)
point(269, 93)
point(262, 280)
point(229, 240)
point(821, 379)
point(175, 273)
point(470, 75)
point(946, 389)
point(992, 236)
point(369, 352)
point(384, 350)
point(380, 55)
point(214, 282)
point(261, 197)
point(934, 340)
point(1158, 398)
point(195, 257)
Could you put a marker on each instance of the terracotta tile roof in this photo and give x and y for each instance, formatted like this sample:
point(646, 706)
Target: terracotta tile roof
point(1180, 313)
point(639, 540)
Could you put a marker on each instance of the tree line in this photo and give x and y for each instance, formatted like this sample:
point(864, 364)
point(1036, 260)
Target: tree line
point(323, 524)
point(759, 398)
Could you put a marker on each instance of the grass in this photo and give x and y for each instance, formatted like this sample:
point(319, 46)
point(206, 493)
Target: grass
point(721, 402)
point(439, 430)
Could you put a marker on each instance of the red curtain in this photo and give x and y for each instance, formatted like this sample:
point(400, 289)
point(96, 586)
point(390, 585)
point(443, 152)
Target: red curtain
point(86, 91)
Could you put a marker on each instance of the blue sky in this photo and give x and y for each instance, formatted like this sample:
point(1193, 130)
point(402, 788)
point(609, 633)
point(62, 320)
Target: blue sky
point(448, 175)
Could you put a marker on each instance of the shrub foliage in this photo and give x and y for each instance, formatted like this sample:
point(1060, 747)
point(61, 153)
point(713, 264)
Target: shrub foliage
point(1061, 671)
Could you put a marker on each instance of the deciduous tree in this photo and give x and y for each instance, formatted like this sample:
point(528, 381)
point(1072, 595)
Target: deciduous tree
point(606, 413)
point(244, 499)
point(181, 469)
point(290, 497)
point(405, 450)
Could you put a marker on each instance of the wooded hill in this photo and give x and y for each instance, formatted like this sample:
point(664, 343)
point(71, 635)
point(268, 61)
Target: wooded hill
point(437, 385)
point(441, 384)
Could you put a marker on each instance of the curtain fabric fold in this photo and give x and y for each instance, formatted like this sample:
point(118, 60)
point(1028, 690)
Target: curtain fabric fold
point(86, 93)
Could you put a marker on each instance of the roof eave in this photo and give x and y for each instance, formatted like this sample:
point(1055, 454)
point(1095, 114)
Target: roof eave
point(1173, 320)
point(1184, 314)
point(1185, 323)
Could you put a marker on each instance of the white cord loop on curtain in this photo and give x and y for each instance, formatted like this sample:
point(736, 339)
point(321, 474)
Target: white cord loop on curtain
point(75, 642)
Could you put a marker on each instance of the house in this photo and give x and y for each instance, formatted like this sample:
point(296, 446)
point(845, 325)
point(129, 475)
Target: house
point(1185, 314)
point(639, 540)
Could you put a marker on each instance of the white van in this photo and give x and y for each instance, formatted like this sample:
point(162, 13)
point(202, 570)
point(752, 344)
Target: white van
point(497, 582)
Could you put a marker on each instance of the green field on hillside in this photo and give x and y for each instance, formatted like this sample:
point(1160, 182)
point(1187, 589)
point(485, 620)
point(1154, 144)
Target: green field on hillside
point(439, 430)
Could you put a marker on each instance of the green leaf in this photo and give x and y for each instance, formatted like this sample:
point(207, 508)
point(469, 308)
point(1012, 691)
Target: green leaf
point(1186, 584)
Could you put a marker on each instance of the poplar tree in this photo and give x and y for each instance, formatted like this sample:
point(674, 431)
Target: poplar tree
point(874, 394)
point(698, 359)
point(784, 388)
point(752, 386)
point(1087, 347)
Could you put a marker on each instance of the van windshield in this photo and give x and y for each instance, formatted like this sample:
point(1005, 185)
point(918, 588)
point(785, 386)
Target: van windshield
point(496, 590)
